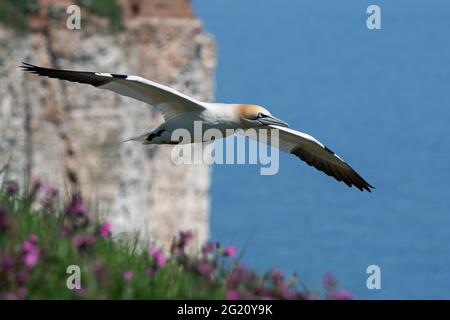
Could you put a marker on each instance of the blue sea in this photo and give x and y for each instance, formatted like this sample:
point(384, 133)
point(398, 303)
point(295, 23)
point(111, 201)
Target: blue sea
point(378, 98)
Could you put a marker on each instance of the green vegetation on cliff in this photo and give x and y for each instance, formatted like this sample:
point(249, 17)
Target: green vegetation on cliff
point(105, 8)
point(66, 253)
point(13, 13)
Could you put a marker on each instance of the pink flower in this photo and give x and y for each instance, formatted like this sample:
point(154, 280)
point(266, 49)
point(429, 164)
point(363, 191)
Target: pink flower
point(287, 294)
point(51, 192)
point(98, 267)
point(232, 295)
point(153, 250)
point(22, 293)
point(12, 188)
point(277, 274)
point(240, 275)
point(329, 281)
point(230, 251)
point(82, 241)
point(342, 295)
point(186, 237)
point(22, 277)
point(160, 261)
point(105, 230)
point(31, 259)
point(128, 275)
point(158, 256)
point(76, 211)
point(65, 230)
point(6, 262)
point(33, 238)
point(51, 196)
point(10, 296)
point(205, 268)
point(76, 205)
point(30, 251)
point(208, 248)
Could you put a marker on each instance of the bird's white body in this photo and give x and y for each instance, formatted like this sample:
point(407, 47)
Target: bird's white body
point(183, 112)
point(217, 116)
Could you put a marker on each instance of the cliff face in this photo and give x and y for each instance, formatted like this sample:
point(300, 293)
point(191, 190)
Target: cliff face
point(70, 134)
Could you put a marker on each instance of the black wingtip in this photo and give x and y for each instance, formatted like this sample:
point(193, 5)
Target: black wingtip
point(28, 67)
point(368, 188)
point(25, 65)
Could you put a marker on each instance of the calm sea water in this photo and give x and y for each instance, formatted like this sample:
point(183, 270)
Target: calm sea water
point(380, 99)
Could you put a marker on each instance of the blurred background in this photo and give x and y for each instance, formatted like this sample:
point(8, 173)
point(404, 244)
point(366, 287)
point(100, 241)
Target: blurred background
point(380, 100)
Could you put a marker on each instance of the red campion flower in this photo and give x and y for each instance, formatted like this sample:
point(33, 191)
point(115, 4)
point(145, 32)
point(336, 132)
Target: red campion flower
point(127, 275)
point(230, 251)
point(158, 256)
point(83, 241)
point(30, 251)
point(105, 230)
point(11, 189)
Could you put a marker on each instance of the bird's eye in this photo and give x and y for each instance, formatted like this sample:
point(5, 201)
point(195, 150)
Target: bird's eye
point(260, 115)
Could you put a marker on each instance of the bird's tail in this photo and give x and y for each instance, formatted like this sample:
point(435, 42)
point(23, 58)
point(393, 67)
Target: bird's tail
point(140, 138)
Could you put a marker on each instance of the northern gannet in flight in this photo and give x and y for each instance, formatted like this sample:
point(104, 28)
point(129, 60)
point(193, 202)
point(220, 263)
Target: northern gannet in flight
point(180, 111)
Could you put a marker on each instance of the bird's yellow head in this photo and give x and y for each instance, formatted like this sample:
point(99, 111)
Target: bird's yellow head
point(257, 116)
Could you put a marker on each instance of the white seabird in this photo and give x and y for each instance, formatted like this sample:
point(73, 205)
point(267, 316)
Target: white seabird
point(180, 111)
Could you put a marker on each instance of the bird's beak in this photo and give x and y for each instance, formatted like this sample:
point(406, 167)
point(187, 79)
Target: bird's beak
point(270, 120)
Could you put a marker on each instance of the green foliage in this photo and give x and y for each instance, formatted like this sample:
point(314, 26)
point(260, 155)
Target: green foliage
point(13, 12)
point(105, 8)
point(102, 263)
point(38, 246)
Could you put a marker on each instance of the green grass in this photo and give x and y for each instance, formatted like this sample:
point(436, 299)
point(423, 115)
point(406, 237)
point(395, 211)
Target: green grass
point(13, 12)
point(38, 245)
point(105, 8)
point(102, 264)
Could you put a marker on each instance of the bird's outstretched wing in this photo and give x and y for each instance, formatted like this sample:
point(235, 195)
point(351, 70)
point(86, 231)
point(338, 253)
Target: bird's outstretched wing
point(315, 154)
point(168, 101)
